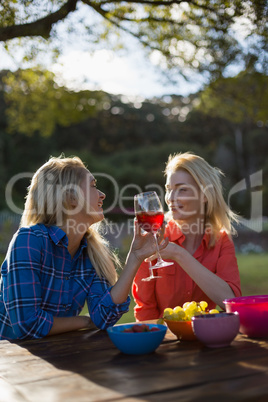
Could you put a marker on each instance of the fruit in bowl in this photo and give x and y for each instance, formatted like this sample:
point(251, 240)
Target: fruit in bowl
point(253, 313)
point(179, 318)
point(216, 330)
point(137, 339)
point(141, 328)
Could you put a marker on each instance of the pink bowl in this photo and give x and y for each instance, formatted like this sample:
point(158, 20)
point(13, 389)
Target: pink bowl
point(216, 330)
point(253, 313)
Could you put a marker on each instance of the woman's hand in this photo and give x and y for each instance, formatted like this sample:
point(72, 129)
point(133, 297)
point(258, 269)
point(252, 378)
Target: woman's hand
point(170, 251)
point(144, 245)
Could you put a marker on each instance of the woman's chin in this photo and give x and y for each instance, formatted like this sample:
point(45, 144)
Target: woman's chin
point(98, 217)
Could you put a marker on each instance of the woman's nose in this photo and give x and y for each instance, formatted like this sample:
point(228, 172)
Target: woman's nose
point(168, 197)
point(102, 195)
point(172, 195)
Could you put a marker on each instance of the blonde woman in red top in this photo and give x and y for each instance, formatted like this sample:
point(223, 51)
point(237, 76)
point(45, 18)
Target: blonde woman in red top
point(199, 230)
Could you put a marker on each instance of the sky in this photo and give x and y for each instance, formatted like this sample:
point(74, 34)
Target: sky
point(129, 74)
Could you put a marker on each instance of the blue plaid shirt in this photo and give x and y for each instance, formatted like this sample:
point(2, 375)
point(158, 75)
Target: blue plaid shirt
point(40, 281)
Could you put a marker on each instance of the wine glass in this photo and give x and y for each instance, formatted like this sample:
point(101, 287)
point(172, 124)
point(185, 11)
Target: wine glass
point(152, 276)
point(150, 215)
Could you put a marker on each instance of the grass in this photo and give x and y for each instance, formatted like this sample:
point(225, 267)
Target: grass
point(253, 273)
point(253, 270)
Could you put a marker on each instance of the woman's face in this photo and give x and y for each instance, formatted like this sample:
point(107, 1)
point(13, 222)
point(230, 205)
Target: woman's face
point(183, 197)
point(93, 199)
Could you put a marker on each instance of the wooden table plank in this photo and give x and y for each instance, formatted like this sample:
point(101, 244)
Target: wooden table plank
point(86, 366)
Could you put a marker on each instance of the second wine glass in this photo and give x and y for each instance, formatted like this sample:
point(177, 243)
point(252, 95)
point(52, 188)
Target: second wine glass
point(150, 215)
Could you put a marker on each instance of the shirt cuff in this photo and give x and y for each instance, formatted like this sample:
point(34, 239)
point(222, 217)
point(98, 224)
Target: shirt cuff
point(107, 301)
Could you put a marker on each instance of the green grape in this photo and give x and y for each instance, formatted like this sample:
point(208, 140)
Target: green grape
point(177, 309)
point(192, 305)
point(187, 311)
point(203, 305)
point(184, 306)
point(167, 312)
point(172, 317)
point(180, 315)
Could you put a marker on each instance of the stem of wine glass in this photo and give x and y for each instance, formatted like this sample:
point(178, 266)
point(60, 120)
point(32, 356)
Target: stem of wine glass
point(159, 258)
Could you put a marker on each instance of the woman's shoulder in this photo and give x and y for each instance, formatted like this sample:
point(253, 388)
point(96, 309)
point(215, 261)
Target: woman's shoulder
point(38, 230)
point(26, 238)
point(225, 237)
point(34, 234)
point(224, 240)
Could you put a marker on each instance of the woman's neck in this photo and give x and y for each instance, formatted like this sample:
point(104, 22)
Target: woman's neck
point(192, 228)
point(192, 242)
point(74, 238)
point(193, 232)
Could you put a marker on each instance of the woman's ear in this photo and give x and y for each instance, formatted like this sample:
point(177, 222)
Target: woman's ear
point(71, 199)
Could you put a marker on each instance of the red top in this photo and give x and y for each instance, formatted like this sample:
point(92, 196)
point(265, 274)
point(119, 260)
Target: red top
point(176, 286)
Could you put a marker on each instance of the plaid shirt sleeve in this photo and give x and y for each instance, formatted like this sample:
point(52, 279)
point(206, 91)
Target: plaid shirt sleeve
point(23, 287)
point(103, 311)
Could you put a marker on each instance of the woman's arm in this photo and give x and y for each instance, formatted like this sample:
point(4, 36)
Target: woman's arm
point(143, 245)
point(23, 291)
point(216, 288)
point(211, 284)
point(67, 324)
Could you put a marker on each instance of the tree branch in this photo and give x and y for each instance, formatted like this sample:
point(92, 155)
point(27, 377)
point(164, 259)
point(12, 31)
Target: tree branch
point(41, 27)
point(158, 3)
point(150, 2)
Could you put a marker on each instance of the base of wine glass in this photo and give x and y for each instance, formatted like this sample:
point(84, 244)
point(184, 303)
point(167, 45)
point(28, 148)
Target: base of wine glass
point(150, 278)
point(162, 263)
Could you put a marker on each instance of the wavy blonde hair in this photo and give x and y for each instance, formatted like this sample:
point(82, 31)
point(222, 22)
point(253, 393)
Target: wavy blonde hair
point(47, 202)
point(218, 215)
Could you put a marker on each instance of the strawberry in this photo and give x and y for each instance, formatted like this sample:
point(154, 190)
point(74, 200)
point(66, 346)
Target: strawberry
point(137, 328)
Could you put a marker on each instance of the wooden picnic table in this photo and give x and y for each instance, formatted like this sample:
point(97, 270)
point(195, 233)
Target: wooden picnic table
point(86, 366)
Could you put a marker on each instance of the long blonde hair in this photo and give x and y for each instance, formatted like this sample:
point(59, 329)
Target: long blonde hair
point(218, 216)
point(47, 203)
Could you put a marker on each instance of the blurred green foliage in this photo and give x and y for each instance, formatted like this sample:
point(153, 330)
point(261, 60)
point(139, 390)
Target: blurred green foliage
point(130, 139)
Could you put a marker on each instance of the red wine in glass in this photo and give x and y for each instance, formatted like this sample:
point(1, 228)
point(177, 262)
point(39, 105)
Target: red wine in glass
point(150, 221)
point(149, 213)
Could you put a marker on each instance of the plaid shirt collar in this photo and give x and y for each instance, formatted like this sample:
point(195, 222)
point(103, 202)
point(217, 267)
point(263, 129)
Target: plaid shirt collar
point(58, 236)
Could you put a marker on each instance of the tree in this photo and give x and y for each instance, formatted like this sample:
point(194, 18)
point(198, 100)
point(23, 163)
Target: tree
point(243, 102)
point(37, 104)
point(185, 36)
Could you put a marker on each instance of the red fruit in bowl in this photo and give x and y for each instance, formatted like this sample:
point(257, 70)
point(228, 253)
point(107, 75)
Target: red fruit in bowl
point(137, 328)
point(128, 330)
point(145, 328)
point(140, 328)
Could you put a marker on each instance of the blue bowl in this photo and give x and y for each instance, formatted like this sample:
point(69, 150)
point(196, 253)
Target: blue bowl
point(136, 343)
